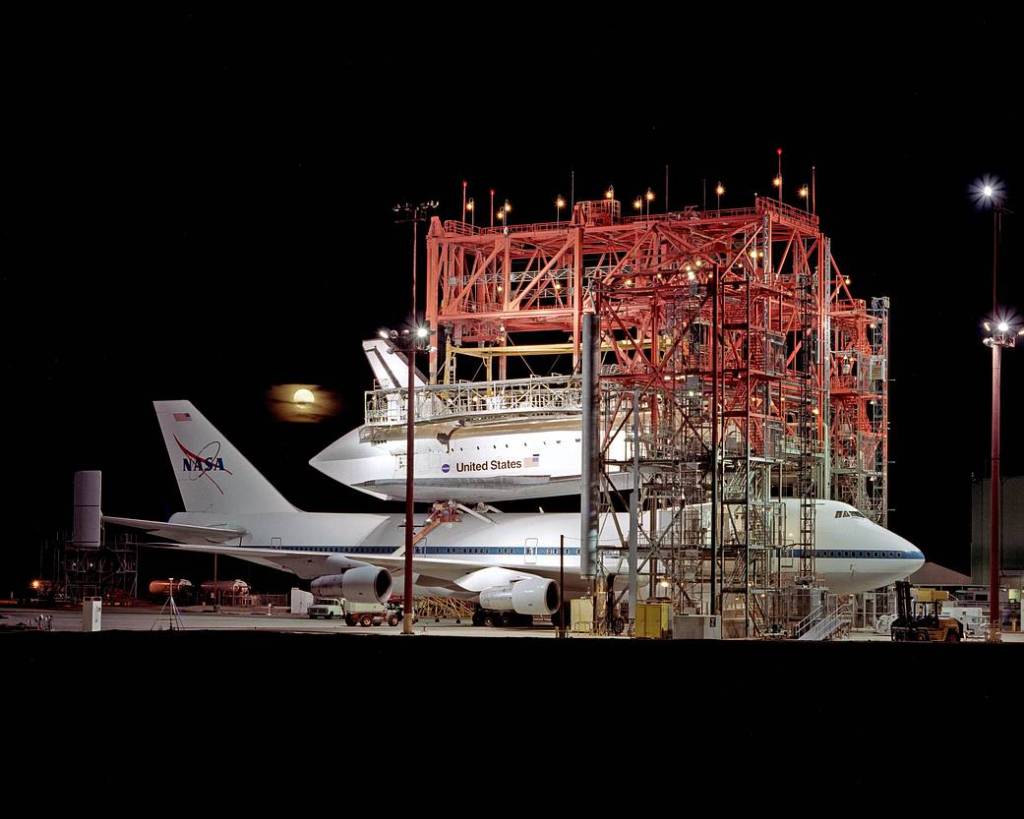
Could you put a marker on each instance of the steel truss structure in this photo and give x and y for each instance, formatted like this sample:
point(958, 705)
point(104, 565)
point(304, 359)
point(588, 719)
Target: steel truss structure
point(735, 364)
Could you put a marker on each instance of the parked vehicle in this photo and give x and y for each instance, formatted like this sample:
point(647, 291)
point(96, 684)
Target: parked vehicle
point(355, 613)
point(922, 620)
point(327, 607)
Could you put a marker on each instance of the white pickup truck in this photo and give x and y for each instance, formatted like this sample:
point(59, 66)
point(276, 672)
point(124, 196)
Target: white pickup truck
point(355, 614)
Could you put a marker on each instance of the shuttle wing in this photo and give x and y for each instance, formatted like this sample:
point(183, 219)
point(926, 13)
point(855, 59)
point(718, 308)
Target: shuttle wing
point(177, 531)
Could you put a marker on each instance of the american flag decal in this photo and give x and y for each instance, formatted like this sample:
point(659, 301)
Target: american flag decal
point(182, 416)
point(533, 460)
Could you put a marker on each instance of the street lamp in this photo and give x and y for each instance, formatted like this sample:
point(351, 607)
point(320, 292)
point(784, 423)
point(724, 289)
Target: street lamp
point(777, 182)
point(649, 196)
point(414, 214)
point(559, 204)
point(470, 206)
point(1003, 333)
point(719, 190)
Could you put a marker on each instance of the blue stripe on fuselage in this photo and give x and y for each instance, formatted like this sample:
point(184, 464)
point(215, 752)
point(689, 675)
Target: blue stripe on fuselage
point(452, 551)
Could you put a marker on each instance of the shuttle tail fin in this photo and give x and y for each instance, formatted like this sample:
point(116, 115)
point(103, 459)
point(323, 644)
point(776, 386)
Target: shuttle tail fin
point(212, 475)
point(390, 367)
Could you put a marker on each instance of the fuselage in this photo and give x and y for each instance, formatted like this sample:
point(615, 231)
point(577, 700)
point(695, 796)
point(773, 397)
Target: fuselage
point(852, 554)
point(481, 462)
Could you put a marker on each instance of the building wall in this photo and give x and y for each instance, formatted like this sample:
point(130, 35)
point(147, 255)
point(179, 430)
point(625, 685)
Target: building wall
point(1012, 509)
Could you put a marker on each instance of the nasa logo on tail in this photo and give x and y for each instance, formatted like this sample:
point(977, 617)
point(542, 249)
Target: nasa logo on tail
point(200, 464)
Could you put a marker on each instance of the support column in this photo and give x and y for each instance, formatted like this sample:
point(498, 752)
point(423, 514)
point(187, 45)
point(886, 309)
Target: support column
point(590, 472)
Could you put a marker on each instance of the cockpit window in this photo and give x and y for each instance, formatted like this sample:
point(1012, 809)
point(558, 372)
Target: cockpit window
point(848, 513)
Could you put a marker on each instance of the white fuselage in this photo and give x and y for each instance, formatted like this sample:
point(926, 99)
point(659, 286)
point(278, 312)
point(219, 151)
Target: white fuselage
point(483, 463)
point(852, 553)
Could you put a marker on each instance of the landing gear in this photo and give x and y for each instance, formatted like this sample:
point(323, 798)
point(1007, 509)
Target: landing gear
point(560, 618)
point(508, 619)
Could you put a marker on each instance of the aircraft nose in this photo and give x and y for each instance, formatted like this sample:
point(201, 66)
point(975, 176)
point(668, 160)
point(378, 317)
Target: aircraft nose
point(911, 558)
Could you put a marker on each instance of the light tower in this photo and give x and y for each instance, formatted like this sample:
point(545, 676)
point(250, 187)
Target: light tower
point(414, 214)
point(1003, 333)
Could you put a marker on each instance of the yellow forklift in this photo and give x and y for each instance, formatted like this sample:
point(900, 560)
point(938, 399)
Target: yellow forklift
point(922, 620)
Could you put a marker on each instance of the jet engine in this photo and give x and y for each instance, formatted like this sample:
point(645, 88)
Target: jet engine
point(368, 584)
point(530, 596)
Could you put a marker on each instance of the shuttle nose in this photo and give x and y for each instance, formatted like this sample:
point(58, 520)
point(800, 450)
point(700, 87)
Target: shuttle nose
point(347, 448)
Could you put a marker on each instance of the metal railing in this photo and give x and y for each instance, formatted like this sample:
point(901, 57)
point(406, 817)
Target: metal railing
point(822, 624)
point(524, 396)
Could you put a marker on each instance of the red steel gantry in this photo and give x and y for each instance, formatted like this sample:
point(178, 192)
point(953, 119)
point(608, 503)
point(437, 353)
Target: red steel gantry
point(734, 337)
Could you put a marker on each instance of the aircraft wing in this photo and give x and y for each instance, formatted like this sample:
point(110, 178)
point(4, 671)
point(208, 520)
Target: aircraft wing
point(456, 574)
point(178, 531)
point(462, 573)
point(306, 565)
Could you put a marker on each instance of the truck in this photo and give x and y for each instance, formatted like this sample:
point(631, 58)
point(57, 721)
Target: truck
point(327, 607)
point(355, 614)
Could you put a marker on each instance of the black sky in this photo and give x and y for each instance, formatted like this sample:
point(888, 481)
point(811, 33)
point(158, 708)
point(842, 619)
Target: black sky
point(209, 221)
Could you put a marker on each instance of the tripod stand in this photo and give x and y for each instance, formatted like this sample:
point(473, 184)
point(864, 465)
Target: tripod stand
point(174, 622)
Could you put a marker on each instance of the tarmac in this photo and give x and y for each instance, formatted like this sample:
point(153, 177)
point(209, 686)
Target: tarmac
point(250, 704)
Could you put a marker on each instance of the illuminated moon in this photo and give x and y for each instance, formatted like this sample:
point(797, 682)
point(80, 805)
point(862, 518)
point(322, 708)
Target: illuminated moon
point(303, 396)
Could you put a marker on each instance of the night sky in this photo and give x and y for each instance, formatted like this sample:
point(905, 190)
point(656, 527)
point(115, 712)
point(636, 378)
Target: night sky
point(211, 222)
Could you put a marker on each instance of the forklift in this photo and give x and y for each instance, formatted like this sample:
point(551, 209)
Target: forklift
point(922, 620)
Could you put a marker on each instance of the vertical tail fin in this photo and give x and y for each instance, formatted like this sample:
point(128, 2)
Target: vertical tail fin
point(390, 367)
point(212, 475)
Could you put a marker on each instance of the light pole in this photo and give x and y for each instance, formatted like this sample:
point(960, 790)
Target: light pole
point(719, 190)
point(414, 214)
point(503, 212)
point(1002, 334)
point(778, 179)
point(649, 197)
point(804, 193)
point(559, 204)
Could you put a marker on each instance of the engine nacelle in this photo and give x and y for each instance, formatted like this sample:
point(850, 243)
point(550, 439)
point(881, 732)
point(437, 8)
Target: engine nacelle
point(368, 584)
point(531, 596)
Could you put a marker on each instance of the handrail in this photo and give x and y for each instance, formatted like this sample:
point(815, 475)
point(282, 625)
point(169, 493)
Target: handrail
point(533, 396)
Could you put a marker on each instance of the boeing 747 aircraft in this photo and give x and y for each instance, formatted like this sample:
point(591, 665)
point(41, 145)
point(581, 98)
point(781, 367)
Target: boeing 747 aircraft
point(508, 562)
